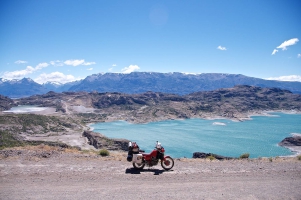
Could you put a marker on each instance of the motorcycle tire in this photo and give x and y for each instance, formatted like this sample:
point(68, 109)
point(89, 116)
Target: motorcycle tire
point(138, 166)
point(167, 164)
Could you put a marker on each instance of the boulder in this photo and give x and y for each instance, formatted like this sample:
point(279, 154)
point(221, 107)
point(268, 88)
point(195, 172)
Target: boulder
point(291, 141)
point(205, 155)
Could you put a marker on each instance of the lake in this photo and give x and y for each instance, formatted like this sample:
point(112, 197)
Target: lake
point(181, 138)
point(25, 109)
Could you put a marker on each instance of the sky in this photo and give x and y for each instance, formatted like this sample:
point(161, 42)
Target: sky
point(67, 40)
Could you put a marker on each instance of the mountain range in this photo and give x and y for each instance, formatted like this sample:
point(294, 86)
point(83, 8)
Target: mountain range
point(139, 82)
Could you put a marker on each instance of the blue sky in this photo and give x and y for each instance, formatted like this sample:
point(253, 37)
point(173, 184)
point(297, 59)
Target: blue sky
point(67, 40)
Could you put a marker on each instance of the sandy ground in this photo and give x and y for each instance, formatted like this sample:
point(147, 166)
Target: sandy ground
point(58, 175)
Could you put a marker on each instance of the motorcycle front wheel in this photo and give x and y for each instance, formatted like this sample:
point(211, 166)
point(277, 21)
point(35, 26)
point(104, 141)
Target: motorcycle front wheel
point(167, 164)
point(138, 166)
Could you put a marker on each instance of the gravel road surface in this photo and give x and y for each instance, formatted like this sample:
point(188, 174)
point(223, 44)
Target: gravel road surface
point(43, 174)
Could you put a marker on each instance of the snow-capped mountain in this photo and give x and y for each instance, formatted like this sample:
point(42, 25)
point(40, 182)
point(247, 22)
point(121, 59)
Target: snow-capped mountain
point(139, 82)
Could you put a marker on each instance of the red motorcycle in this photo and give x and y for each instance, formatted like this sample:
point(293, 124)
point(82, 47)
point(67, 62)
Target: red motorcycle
point(140, 158)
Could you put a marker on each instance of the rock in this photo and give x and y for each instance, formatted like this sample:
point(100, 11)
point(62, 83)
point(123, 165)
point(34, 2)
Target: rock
point(100, 141)
point(205, 155)
point(6, 103)
point(291, 141)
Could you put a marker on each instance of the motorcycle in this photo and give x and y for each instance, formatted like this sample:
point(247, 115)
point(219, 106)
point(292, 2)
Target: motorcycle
point(139, 158)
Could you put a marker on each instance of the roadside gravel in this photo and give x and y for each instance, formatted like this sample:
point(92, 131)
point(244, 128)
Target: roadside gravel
point(57, 174)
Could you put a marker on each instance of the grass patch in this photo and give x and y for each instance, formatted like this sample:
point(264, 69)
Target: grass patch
point(104, 152)
point(7, 140)
point(244, 156)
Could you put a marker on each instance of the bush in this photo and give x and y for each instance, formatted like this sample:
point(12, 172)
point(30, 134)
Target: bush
point(211, 157)
point(245, 155)
point(8, 140)
point(104, 152)
point(299, 157)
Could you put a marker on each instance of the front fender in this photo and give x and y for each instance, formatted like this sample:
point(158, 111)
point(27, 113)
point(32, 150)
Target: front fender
point(167, 157)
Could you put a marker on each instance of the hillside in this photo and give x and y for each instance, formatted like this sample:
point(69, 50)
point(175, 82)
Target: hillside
point(5, 103)
point(234, 103)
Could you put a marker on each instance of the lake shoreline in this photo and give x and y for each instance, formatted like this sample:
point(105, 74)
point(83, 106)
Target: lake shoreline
point(295, 151)
point(243, 117)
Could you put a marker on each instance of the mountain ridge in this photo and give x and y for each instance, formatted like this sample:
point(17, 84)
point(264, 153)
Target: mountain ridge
point(139, 82)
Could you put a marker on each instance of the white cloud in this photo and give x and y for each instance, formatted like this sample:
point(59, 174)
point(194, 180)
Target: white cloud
point(274, 51)
point(110, 69)
point(288, 43)
point(286, 78)
point(114, 65)
point(90, 69)
point(130, 69)
point(74, 62)
point(21, 62)
point(41, 65)
point(222, 48)
point(89, 63)
point(56, 63)
point(299, 55)
point(55, 77)
point(19, 73)
point(22, 73)
point(78, 62)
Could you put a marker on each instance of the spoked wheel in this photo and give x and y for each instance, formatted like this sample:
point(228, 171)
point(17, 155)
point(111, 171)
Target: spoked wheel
point(138, 166)
point(167, 164)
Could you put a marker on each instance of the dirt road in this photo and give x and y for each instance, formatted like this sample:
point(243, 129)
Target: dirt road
point(57, 175)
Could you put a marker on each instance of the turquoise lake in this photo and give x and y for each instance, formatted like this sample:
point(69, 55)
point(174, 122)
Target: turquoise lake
point(259, 137)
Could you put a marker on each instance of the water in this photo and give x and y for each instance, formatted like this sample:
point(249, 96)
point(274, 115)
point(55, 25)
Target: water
point(25, 109)
point(181, 138)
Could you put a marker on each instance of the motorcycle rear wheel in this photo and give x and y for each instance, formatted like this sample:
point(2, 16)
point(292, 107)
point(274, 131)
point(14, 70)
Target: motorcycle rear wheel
point(138, 166)
point(167, 164)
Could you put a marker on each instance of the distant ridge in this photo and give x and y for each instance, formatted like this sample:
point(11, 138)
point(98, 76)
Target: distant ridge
point(176, 83)
point(139, 82)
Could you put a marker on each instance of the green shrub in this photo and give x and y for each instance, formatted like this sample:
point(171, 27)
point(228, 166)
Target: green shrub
point(270, 159)
point(8, 140)
point(299, 157)
point(211, 157)
point(104, 152)
point(245, 155)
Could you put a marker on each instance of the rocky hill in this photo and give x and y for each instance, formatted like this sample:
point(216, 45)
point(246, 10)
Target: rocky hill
point(5, 103)
point(234, 103)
